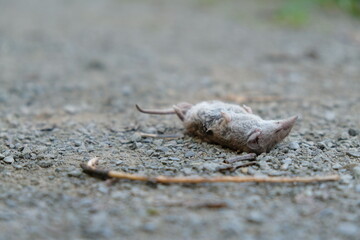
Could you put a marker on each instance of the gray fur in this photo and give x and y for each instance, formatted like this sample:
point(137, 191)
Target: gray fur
point(231, 126)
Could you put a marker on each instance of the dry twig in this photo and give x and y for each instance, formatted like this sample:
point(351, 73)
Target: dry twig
point(174, 136)
point(105, 174)
point(250, 156)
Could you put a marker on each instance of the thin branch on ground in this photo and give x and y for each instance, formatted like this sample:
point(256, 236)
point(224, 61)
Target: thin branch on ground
point(106, 174)
point(249, 156)
point(174, 136)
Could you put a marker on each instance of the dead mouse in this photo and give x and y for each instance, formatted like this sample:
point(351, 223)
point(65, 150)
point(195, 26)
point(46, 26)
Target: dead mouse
point(229, 125)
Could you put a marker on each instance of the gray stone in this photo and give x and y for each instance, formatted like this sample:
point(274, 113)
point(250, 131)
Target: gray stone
point(45, 164)
point(162, 149)
point(75, 173)
point(210, 166)
point(135, 137)
point(294, 145)
point(174, 159)
point(353, 153)
point(352, 132)
point(286, 164)
point(187, 171)
point(348, 229)
point(256, 217)
point(9, 159)
point(26, 150)
point(149, 227)
point(356, 172)
point(189, 154)
point(336, 166)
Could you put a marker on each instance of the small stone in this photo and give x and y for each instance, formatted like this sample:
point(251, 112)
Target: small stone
point(356, 172)
point(151, 130)
point(210, 166)
point(135, 137)
point(162, 149)
point(2, 156)
point(74, 173)
point(286, 164)
point(343, 136)
point(357, 188)
point(352, 132)
point(348, 229)
point(71, 109)
point(174, 159)
point(26, 150)
point(294, 146)
point(126, 91)
point(189, 154)
point(45, 164)
point(96, 65)
point(149, 227)
point(149, 152)
point(336, 166)
point(187, 171)
point(353, 153)
point(9, 159)
point(158, 142)
point(256, 217)
point(330, 116)
point(16, 166)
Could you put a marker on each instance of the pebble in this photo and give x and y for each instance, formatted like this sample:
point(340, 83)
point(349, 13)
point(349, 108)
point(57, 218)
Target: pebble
point(45, 164)
point(357, 188)
point(158, 142)
point(162, 149)
point(16, 166)
point(189, 154)
point(336, 166)
point(9, 159)
point(150, 130)
point(286, 164)
point(256, 217)
point(294, 145)
point(174, 159)
point(2, 156)
point(187, 171)
point(348, 229)
point(26, 150)
point(356, 172)
point(135, 137)
point(149, 227)
point(210, 166)
point(74, 173)
point(352, 132)
point(353, 153)
point(149, 152)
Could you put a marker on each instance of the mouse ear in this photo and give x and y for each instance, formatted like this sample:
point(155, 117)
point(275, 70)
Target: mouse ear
point(226, 117)
point(253, 139)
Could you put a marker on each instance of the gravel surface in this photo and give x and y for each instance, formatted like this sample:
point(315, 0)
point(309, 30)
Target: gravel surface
point(71, 72)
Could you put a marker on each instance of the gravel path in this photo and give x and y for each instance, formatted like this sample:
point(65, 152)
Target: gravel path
point(71, 72)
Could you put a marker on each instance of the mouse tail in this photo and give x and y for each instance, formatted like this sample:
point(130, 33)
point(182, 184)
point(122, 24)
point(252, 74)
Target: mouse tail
point(155, 111)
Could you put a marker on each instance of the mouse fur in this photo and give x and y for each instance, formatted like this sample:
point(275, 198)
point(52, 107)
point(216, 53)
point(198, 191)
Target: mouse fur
point(230, 125)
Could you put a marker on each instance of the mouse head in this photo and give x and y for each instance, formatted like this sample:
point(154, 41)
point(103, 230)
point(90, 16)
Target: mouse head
point(269, 133)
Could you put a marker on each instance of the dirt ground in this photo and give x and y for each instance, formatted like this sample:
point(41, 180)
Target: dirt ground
point(71, 72)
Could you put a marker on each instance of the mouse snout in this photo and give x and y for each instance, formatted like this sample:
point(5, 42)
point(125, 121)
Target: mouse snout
point(287, 124)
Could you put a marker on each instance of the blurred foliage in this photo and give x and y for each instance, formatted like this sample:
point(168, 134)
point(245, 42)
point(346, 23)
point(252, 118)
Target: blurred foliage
point(297, 12)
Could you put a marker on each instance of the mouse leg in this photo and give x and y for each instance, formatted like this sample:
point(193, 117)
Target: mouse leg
point(179, 112)
point(181, 109)
point(247, 108)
